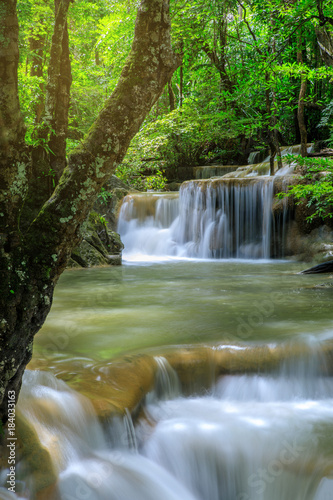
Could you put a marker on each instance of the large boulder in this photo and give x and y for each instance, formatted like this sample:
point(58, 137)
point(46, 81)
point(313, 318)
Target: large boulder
point(100, 246)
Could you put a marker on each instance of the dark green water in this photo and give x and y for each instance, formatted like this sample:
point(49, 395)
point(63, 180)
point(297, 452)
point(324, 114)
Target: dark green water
point(105, 312)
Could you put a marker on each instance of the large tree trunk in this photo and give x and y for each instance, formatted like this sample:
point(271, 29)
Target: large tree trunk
point(33, 255)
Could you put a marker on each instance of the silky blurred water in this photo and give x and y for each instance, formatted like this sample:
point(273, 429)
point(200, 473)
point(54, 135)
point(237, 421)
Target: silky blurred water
point(105, 312)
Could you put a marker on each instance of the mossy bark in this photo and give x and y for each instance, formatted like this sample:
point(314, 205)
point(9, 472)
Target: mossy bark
point(33, 256)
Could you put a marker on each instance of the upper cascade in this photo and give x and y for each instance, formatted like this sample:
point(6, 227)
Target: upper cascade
point(223, 217)
point(219, 218)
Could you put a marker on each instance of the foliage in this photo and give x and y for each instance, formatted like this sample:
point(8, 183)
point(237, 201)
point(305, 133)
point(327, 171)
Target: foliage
point(184, 137)
point(155, 182)
point(239, 81)
point(104, 196)
point(316, 186)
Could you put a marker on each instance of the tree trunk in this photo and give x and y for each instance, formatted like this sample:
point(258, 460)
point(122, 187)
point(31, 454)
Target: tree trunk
point(181, 77)
point(172, 101)
point(301, 117)
point(57, 142)
point(301, 97)
point(12, 130)
point(270, 133)
point(32, 260)
point(37, 44)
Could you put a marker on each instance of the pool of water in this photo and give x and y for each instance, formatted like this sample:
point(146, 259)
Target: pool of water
point(106, 312)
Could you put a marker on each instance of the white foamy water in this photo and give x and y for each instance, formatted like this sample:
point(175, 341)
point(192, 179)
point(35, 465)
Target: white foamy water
point(255, 437)
point(252, 437)
point(210, 220)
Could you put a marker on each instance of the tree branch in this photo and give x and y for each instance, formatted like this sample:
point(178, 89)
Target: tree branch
point(148, 69)
point(249, 28)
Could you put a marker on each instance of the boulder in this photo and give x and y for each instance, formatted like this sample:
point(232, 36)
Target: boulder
point(100, 246)
point(33, 462)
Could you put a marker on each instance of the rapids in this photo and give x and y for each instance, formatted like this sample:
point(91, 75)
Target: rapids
point(250, 437)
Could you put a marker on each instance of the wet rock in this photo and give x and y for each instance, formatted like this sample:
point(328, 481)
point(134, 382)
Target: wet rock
point(121, 385)
point(324, 286)
point(317, 246)
point(33, 461)
point(100, 246)
point(86, 255)
point(108, 204)
point(207, 171)
point(325, 267)
point(173, 186)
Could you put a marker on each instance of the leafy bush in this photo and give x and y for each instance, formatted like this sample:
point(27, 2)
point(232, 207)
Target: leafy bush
point(183, 137)
point(316, 186)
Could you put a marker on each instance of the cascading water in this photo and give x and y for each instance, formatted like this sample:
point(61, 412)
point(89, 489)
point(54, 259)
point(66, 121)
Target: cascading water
point(222, 218)
point(251, 437)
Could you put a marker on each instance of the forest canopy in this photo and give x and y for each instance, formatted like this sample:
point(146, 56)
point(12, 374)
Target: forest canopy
point(254, 75)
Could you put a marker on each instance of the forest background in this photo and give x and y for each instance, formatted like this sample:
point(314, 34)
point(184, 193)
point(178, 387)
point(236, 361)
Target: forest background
point(254, 75)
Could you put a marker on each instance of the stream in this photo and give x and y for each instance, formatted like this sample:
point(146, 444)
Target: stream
point(248, 437)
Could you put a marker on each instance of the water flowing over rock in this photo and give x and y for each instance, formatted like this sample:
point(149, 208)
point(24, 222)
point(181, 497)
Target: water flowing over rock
point(218, 218)
point(258, 435)
point(233, 216)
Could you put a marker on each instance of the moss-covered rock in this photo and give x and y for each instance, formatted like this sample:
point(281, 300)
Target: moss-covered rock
point(109, 201)
point(87, 255)
point(100, 246)
point(32, 461)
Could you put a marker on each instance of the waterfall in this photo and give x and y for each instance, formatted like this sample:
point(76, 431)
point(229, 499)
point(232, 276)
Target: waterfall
point(212, 219)
point(252, 437)
point(255, 437)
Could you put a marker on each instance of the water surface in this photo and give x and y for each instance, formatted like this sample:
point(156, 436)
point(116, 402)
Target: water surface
point(105, 312)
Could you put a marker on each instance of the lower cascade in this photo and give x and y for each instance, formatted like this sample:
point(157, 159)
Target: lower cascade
point(250, 437)
point(215, 219)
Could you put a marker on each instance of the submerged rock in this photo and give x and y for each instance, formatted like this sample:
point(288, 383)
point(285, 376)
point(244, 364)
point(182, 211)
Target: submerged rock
point(324, 286)
point(121, 385)
point(325, 267)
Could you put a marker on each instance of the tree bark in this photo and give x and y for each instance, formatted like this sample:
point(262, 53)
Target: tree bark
point(181, 76)
point(301, 98)
point(12, 130)
point(37, 45)
point(31, 261)
point(301, 117)
point(172, 100)
point(57, 142)
point(270, 132)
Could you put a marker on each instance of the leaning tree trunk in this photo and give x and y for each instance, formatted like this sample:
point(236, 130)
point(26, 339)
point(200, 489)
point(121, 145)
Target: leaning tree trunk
point(33, 257)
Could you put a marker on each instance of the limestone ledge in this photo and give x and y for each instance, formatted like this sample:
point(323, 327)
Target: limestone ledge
point(122, 384)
